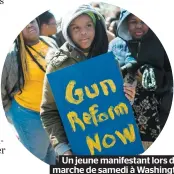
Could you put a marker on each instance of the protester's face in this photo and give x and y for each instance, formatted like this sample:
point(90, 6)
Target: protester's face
point(31, 32)
point(82, 31)
point(52, 27)
point(136, 27)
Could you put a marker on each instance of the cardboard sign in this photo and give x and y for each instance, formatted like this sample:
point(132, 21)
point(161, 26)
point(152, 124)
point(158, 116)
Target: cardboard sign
point(96, 115)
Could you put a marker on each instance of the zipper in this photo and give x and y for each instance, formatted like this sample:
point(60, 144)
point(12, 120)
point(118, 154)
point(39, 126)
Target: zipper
point(139, 47)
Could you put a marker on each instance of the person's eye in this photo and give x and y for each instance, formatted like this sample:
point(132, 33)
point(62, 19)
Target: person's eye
point(133, 22)
point(89, 25)
point(75, 28)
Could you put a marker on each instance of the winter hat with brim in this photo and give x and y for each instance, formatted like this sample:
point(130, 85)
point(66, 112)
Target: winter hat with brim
point(71, 15)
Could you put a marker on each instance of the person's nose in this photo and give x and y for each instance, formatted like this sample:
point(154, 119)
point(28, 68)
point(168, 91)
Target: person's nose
point(139, 24)
point(83, 31)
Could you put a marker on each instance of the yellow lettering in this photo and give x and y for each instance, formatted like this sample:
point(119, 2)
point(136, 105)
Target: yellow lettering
point(111, 113)
point(105, 144)
point(109, 140)
point(86, 118)
point(102, 117)
point(130, 135)
point(73, 118)
point(92, 116)
point(96, 91)
point(76, 96)
point(121, 109)
point(93, 112)
point(93, 143)
point(124, 107)
point(69, 93)
point(105, 88)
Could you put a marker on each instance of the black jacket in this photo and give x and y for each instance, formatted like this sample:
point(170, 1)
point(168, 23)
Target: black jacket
point(150, 51)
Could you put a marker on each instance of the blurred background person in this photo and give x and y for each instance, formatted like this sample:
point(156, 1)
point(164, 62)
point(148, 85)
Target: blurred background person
point(108, 21)
point(49, 27)
point(113, 27)
point(47, 24)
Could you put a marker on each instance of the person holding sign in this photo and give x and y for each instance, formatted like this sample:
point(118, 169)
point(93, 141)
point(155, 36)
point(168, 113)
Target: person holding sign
point(85, 32)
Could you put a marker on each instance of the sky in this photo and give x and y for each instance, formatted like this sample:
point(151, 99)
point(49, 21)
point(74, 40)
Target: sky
point(56, 13)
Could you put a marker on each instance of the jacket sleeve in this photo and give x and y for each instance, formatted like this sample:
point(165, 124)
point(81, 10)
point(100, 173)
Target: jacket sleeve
point(50, 41)
point(51, 119)
point(4, 94)
point(4, 84)
point(164, 77)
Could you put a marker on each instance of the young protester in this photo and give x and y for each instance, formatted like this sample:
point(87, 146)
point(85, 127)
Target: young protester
point(21, 89)
point(140, 52)
point(85, 32)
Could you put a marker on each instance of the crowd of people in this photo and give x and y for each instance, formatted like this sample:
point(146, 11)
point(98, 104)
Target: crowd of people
point(43, 47)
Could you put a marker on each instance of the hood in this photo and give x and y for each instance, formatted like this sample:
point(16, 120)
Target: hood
point(70, 16)
point(122, 29)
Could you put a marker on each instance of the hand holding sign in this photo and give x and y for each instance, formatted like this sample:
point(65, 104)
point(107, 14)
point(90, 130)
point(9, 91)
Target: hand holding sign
point(96, 115)
point(129, 92)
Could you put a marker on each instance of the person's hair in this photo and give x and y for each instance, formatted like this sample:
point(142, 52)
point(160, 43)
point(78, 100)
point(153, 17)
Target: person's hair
point(44, 18)
point(19, 51)
point(100, 42)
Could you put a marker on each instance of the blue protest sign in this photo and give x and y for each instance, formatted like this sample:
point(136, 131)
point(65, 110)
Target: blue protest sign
point(96, 115)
